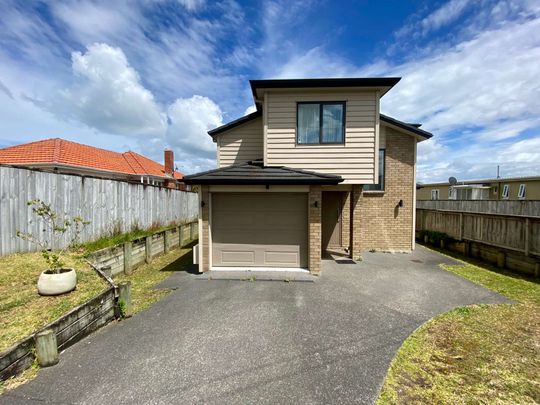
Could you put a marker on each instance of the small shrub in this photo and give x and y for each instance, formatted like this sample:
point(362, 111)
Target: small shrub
point(56, 228)
point(435, 238)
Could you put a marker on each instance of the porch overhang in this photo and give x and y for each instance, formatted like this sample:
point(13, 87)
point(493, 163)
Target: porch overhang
point(255, 173)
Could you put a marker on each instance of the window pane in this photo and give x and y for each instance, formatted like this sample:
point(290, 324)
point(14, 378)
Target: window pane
point(332, 128)
point(308, 123)
point(380, 184)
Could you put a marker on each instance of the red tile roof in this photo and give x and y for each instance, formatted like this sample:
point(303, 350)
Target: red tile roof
point(74, 154)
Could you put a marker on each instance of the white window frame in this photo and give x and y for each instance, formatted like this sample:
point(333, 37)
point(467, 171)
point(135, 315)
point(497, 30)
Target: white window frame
point(505, 192)
point(522, 191)
point(435, 193)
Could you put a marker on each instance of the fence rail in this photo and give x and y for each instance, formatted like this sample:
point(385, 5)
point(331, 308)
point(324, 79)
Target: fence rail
point(109, 205)
point(526, 208)
point(508, 225)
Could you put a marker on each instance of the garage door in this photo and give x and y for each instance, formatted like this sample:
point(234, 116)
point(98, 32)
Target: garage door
point(259, 229)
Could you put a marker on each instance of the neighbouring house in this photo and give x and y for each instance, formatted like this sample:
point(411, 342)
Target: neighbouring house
point(315, 169)
point(61, 156)
point(512, 188)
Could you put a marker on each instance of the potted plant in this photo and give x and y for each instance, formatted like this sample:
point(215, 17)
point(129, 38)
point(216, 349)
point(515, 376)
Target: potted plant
point(56, 279)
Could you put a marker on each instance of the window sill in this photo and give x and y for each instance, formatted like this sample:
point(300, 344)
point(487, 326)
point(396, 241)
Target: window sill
point(375, 192)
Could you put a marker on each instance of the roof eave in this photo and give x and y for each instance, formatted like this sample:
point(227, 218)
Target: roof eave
point(235, 123)
point(384, 83)
point(261, 182)
point(408, 127)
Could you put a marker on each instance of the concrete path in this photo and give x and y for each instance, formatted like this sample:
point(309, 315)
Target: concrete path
point(260, 342)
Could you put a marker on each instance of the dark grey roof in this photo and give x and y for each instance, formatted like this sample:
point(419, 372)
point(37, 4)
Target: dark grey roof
point(235, 123)
point(326, 82)
point(415, 128)
point(253, 173)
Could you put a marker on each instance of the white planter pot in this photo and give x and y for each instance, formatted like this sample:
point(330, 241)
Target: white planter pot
point(52, 283)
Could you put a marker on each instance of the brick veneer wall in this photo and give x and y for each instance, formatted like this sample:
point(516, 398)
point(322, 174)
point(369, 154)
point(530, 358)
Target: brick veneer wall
point(345, 220)
point(382, 224)
point(314, 214)
point(356, 212)
point(204, 237)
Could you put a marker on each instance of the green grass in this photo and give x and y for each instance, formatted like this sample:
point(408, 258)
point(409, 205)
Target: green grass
point(22, 309)
point(476, 354)
point(117, 238)
point(145, 278)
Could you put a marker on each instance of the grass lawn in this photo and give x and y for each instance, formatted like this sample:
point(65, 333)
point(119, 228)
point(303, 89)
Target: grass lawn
point(147, 276)
point(22, 309)
point(477, 354)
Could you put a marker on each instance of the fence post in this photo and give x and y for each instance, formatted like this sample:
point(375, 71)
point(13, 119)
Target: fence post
point(166, 243)
point(124, 299)
point(467, 248)
point(181, 236)
point(46, 348)
point(461, 226)
point(501, 259)
point(148, 249)
point(527, 235)
point(128, 268)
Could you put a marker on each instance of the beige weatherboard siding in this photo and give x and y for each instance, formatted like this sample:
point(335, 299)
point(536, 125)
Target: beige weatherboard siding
point(355, 160)
point(241, 144)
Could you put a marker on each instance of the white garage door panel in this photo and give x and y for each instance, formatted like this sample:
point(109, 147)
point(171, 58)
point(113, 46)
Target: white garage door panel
point(256, 229)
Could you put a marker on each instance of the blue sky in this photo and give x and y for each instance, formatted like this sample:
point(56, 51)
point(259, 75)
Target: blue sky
point(153, 74)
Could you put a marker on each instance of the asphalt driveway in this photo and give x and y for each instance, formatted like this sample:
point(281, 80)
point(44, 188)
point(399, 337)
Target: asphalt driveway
point(260, 342)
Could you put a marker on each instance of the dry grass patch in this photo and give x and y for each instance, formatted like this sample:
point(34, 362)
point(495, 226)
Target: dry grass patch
point(22, 309)
point(477, 354)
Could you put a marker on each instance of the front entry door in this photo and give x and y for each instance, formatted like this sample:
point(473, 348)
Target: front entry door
point(331, 219)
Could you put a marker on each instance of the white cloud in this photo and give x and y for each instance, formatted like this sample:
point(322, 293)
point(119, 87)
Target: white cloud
point(316, 63)
point(481, 82)
point(444, 15)
point(190, 119)
point(192, 5)
point(107, 94)
point(250, 109)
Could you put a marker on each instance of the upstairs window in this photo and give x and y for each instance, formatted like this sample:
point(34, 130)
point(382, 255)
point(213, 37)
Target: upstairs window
point(435, 194)
point(522, 190)
point(505, 191)
point(320, 123)
point(380, 185)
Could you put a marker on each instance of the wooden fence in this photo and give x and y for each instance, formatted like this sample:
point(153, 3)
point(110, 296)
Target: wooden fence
point(494, 227)
point(109, 205)
point(132, 254)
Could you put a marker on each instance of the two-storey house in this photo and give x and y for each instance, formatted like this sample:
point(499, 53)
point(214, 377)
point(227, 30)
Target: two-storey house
point(315, 169)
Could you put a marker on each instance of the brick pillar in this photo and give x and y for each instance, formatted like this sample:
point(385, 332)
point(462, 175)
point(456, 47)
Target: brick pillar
point(315, 202)
point(204, 238)
point(356, 218)
point(346, 220)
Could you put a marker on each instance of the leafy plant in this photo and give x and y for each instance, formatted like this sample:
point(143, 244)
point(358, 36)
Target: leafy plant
point(57, 227)
point(435, 238)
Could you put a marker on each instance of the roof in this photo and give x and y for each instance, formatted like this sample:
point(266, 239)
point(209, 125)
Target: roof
point(383, 82)
point(482, 181)
point(235, 123)
point(67, 153)
point(255, 173)
point(414, 128)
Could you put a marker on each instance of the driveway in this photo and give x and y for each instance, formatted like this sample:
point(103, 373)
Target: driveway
point(260, 342)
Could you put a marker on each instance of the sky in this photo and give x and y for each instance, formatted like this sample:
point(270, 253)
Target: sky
point(151, 74)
